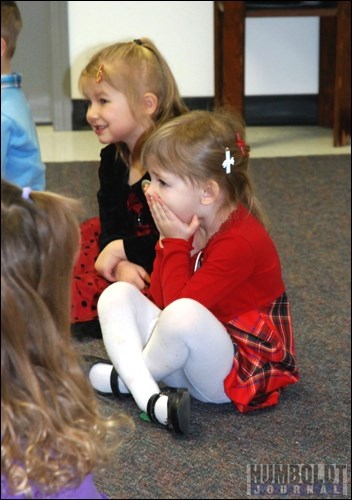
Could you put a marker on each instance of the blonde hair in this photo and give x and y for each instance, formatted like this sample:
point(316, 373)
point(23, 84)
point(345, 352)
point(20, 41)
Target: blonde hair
point(11, 25)
point(135, 68)
point(193, 147)
point(52, 432)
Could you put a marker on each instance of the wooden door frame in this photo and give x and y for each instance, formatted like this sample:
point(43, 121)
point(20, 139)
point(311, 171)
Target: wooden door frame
point(334, 65)
point(229, 54)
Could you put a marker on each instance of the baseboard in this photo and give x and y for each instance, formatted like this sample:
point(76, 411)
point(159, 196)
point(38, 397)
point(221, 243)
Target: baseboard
point(281, 110)
point(259, 110)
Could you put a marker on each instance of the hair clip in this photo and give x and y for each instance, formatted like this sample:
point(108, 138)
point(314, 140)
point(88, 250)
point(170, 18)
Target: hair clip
point(229, 160)
point(138, 41)
point(145, 185)
point(240, 144)
point(26, 192)
point(100, 73)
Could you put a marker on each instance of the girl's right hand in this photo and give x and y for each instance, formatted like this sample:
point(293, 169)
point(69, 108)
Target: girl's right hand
point(132, 273)
point(109, 258)
point(168, 223)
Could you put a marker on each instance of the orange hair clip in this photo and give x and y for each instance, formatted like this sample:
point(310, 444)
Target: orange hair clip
point(100, 74)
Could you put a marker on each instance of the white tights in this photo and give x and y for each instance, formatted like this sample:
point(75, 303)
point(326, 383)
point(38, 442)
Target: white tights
point(183, 346)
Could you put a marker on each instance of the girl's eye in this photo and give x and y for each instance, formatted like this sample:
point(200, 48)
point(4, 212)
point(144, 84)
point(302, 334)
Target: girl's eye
point(103, 101)
point(161, 182)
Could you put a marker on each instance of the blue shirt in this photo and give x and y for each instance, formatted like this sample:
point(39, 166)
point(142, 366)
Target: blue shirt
point(21, 161)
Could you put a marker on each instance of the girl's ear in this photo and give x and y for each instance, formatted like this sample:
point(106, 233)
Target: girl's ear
point(210, 192)
point(3, 47)
point(151, 102)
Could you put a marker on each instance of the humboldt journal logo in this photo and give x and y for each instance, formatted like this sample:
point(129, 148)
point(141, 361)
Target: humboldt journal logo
point(297, 479)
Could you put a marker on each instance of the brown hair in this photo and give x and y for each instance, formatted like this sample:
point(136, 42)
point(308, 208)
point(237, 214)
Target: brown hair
point(52, 432)
point(193, 147)
point(11, 25)
point(135, 68)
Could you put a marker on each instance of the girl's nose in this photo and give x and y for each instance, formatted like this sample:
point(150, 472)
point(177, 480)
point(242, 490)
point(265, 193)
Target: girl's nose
point(91, 113)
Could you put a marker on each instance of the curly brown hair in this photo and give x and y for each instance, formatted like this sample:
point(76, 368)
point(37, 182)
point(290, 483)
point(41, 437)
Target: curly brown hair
point(52, 432)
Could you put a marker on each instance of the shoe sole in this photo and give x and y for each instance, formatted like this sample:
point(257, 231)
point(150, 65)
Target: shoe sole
point(181, 424)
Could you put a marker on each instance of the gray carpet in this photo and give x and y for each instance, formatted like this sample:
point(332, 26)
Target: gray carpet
point(308, 203)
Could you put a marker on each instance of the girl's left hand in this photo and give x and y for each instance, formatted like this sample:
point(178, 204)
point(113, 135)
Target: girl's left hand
point(168, 224)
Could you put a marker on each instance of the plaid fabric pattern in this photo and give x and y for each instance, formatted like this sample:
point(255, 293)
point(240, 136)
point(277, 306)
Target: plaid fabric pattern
point(14, 80)
point(264, 360)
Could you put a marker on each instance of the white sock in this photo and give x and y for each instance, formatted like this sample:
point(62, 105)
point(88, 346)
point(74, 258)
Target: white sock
point(160, 409)
point(99, 377)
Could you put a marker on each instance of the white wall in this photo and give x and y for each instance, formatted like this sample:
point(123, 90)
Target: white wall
point(182, 31)
point(281, 53)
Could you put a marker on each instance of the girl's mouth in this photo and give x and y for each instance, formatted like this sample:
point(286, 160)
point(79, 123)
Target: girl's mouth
point(99, 129)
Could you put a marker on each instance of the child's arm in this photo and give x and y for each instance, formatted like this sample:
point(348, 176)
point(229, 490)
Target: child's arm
point(113, 265)
point(118, 240)
point(132, 273)
point(109, 258)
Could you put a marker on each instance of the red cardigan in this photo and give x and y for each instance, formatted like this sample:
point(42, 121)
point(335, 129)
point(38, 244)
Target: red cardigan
point(238, 278)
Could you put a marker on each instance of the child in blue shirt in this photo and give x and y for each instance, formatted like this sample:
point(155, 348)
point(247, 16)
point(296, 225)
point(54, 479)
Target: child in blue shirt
point(21, 161)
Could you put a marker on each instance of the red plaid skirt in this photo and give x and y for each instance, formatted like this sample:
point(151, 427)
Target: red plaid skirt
point(264, 360)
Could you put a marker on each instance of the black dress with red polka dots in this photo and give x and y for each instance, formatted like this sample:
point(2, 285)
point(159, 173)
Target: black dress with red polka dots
point(123, 214)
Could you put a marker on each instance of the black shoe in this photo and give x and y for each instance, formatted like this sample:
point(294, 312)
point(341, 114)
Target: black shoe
point(86, 329)
point(90, 361)
point(178, 410)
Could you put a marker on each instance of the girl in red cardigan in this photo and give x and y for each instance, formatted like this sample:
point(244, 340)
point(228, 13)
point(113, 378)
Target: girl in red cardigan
point(217, 323)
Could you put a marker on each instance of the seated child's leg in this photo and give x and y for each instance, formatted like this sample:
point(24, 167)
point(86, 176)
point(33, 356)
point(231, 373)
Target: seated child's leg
point(86, 290)
point(189, 339)
point(127, 319)
point(87, 285)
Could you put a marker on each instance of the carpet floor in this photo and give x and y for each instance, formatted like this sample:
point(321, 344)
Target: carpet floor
point(308, 203)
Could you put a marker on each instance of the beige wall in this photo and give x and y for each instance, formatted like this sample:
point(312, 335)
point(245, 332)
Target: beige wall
point(281, 53)
point(183, 32)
